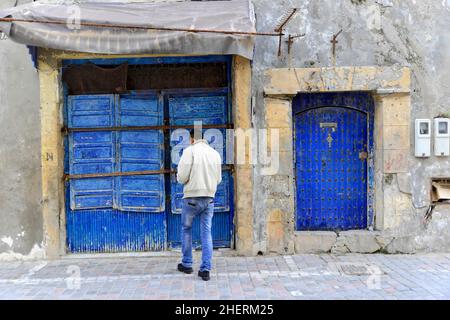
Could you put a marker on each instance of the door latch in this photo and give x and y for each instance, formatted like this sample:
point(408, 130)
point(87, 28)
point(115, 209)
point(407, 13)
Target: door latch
point(333, 127)
point(329, 139)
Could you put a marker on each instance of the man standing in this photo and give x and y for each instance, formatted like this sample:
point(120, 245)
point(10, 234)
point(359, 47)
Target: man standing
point(200, 171)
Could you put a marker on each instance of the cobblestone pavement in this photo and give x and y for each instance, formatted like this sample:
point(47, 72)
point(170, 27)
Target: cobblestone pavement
point(352, 276)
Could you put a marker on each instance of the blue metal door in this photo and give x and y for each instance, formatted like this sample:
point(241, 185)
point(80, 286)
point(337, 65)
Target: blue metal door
point(115, 213)
point(332, 151)
point(210, 107)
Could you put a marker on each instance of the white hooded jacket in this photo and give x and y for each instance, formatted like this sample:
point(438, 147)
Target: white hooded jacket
point(199, 170)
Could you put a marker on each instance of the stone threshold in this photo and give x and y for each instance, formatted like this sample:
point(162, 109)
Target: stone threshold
point(352, 241)
point(221, 252)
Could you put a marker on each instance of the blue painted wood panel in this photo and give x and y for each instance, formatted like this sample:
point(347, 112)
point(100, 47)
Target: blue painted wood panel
point(140, 150)
point(211, 108)
point(115, 214)
point(91, 111)
point(332, 134)
point(92, 152)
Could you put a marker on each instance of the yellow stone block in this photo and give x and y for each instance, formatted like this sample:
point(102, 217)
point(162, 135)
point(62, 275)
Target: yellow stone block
point(282, 139)
point(395, 161)
point(244, 180)
point(245, 233)
point(396, 137)
point(276, 216)
point(281, 163)
point(278, 113)
point(275, 237)
point(244, 200)
point(396, 109)
point(242, 96)
point(290, 81)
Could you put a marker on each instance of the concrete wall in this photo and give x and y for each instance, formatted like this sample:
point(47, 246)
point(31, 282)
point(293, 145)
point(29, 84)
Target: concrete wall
point(21, 231)
point(381, 33)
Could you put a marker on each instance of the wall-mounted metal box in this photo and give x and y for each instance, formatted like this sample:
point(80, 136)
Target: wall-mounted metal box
point(440, 190)
point(423, 138)
point(441, 137)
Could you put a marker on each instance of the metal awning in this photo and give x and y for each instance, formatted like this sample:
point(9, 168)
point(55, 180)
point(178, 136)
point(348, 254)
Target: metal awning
point(212, 27)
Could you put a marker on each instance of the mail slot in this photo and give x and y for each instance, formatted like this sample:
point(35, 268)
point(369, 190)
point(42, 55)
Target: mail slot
point(332, 125)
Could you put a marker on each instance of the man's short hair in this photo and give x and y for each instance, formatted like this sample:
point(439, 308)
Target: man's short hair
point(192, 133)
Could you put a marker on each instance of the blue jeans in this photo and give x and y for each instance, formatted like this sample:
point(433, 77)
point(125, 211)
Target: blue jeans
point(204, 208)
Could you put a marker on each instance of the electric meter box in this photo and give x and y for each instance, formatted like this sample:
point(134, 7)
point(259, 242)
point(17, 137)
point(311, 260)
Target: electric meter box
point(441, 137)
point(423, 138)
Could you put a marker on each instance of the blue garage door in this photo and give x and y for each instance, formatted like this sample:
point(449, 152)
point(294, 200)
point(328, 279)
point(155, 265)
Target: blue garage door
point(120, 212)
point(332, 148)
point(115, 213)
point(210, 107)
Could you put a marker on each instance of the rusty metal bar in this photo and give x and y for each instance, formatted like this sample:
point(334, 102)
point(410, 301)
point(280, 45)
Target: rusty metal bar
point(279, 44)
point(121, 26)
point(283, 22)
point(334, 41)
point(291, 39)
point(66, 130)
point(115, 174)
point(285, 19)
point(131, 173)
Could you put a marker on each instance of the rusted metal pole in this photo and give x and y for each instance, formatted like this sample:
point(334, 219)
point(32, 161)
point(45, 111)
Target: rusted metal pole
point(334, 42)
point(131, 173)
point(66, 130)
point(121, 26)
point(291, 39)
point(286, 19)
point(279, 44)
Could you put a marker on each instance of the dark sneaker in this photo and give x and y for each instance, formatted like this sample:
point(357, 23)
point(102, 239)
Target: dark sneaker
point(184, 269)
point(204, 275)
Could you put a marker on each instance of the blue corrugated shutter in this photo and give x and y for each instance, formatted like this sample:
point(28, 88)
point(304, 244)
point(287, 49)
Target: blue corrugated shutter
point(138, 151)
point(91, 152)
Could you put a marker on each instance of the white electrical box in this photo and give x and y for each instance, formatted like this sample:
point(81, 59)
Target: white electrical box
point(423, 138)
point(441, 137)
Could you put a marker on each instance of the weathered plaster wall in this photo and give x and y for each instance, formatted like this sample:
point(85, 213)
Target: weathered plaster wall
point(381, 33)
point(394, 33)
point(21, 231)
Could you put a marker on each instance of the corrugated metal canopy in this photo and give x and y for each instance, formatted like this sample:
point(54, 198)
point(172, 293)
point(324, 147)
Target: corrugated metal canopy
point(127, 33)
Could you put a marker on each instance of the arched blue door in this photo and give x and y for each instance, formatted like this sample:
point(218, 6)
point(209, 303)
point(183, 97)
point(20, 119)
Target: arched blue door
point(331, 157)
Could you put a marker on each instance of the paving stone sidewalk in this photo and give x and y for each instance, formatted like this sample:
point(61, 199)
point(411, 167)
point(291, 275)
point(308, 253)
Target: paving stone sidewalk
point(351, 276)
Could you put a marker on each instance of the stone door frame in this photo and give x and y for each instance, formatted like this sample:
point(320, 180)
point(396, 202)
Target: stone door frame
point(390, 88)
point(52, 149)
